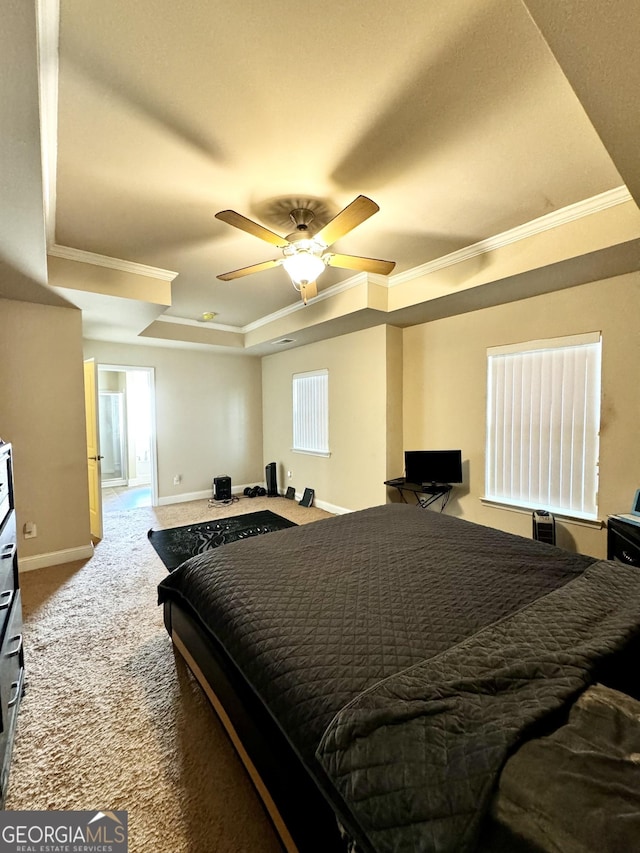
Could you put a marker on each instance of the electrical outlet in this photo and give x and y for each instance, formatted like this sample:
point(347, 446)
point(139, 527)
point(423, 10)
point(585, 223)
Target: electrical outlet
point(30, 530)
point(289, 475)
point(177, 479)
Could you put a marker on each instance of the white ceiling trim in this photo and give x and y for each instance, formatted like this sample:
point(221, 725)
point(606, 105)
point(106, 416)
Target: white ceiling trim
point(200, 324)
point(354, 281)
point(343, 286)
point(609, 198)
point(570, 213)
point(112, 263)
point(48, 25)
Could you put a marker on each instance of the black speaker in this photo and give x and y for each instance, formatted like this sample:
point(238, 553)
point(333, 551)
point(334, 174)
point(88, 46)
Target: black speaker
point(222, 488)
point(272, 480)
point(307, 497)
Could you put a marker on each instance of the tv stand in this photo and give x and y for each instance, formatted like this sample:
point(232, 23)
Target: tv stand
point(426, 493)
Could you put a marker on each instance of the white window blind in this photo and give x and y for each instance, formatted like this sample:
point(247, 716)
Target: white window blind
point(311, 412)
point(543, 422)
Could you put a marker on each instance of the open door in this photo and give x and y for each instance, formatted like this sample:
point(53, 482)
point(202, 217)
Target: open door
point(93, 447)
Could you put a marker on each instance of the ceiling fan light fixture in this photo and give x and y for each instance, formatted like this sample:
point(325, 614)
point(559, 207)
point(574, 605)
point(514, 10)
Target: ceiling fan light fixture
point(304, 261)
point(305, 257)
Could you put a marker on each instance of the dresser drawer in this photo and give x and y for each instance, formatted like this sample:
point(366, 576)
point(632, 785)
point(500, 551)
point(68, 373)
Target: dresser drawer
point(6, 496)
point(8, 568)
point(11, 664)
point(11, 688)
point(11, 652)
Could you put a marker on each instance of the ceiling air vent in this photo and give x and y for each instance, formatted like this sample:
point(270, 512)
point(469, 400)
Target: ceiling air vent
point(283, 341)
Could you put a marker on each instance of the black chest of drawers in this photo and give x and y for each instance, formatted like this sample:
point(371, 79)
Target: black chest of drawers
point(11, 650)
point(623, 541)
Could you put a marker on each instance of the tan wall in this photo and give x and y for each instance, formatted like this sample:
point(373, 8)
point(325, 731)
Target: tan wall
point(111, 380)
point(359, 366)
point(77, 275)
point(445, 393)
point(42, 415)
point(395, 456)
point(22, 240)
point(208, 413)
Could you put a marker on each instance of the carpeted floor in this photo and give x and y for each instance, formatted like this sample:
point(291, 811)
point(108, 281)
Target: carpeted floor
point(111, 719)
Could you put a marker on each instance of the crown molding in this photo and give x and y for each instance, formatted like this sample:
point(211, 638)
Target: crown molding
point(112, 263)
point(570, 213)
point(341, 287)
point(48, 30)
point(200, 324)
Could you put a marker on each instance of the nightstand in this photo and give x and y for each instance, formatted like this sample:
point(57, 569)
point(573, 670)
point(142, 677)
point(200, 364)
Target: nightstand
point(623, 541)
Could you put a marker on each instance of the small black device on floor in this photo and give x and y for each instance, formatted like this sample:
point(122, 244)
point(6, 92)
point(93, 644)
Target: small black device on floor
point(544, 526)
point(222, 488)
point(307, 497)
point(291, 493)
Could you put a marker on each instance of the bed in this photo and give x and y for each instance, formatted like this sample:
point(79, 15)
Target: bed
point(376, 670)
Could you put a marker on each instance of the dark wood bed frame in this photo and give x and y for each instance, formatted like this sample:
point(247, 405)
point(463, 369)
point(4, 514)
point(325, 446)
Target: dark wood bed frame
point(303, 814)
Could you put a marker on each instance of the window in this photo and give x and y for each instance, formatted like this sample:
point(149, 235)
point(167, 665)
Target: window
point(311, 412)
point(543, 422)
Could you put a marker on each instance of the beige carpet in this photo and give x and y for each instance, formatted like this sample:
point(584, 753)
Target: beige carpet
point(111, 719)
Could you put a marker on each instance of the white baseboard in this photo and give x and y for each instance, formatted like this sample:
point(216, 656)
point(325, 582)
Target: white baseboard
point(327, 507)
point(197, 496)
point(55, 558)
point(336, 510)
point(238, 490)
point(187, 496)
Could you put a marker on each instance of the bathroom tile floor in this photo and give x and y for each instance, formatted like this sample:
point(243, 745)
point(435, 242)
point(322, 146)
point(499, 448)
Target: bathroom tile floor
point(125, 497)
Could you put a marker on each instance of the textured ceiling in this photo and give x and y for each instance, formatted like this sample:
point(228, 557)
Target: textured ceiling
point(453, 115)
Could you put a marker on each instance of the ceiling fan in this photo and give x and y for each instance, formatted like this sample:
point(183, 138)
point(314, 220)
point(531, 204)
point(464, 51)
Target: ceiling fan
point(305, 254)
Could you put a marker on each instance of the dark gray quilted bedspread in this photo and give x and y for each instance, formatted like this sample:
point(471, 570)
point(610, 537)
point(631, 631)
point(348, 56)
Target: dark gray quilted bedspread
point(417, 755)
point(316, 614)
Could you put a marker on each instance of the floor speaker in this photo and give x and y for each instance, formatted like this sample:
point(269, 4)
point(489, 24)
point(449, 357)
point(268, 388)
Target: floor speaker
point(222, 488)
point(307, 497)
point(272, 480)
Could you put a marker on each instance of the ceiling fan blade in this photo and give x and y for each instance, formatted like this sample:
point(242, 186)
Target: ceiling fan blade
point(308, 291)
point(265, 265)
point(361, 208)
point(353, 262)
point(251, 227)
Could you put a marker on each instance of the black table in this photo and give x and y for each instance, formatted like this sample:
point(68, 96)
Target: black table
point(426, 493)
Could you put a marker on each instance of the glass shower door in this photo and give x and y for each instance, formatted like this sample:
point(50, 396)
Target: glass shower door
point(112, 438)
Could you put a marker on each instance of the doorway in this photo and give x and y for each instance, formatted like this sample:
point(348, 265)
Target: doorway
point(126, 416)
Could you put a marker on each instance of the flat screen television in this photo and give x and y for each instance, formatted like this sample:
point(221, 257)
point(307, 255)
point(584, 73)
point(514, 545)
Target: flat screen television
point(433, 466)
